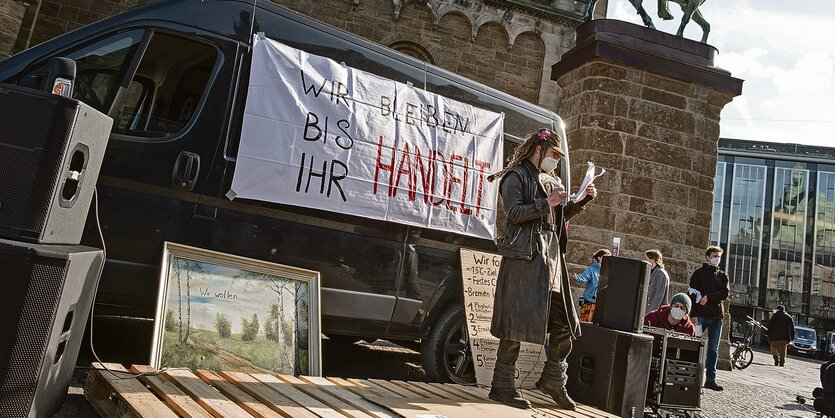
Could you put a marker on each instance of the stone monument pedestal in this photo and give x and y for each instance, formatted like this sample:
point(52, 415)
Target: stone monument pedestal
point(645, 106)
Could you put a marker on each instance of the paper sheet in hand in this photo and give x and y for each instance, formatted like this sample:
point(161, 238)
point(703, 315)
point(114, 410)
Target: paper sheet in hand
point(588, 179)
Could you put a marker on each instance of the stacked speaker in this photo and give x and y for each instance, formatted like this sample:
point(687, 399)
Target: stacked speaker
point(609, 364)
point(51, 149)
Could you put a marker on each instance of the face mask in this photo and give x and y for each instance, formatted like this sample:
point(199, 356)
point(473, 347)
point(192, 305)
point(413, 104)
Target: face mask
point(677, 313)
point(548, 164)
point(715, 261)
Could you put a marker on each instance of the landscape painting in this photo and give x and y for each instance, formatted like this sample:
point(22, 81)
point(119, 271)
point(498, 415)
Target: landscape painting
point(227, 313)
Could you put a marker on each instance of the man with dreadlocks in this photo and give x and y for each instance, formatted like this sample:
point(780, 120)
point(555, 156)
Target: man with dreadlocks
point(532, 292)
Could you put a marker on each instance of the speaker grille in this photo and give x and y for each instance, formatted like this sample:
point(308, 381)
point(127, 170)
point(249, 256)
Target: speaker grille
point(31, 287)
point(32, 146)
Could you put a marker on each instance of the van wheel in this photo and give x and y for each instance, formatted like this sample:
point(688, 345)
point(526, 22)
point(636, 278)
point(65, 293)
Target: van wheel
point(445, 353)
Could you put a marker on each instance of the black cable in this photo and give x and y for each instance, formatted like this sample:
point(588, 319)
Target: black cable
point(132, 375)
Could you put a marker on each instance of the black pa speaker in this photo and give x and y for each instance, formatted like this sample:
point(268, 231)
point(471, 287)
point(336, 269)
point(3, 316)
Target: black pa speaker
point(622, 294)
point(609, 369)
point(51, 148)
point(48, 291)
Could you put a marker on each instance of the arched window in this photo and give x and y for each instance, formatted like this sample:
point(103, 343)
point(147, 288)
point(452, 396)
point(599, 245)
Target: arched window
point(413, 49)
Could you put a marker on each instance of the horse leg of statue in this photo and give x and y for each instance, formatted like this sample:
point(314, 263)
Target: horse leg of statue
point(700, 20)
point(590, 10)
point(689, 9)
point(643, 13)
point(664, 10)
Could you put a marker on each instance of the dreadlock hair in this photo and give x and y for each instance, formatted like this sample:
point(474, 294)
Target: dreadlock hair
point(539, 138)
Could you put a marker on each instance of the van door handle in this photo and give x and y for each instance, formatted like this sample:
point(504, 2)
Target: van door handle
point(186, 170)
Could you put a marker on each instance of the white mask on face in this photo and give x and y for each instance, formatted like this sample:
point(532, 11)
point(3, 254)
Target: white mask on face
point(677, 313)
point(715, 261)
point(548, 164)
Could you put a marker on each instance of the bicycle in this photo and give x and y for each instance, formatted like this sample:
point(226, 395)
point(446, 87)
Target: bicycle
point(743, 355)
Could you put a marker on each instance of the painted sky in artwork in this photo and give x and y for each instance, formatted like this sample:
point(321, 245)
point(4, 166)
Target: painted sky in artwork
point(215, 290)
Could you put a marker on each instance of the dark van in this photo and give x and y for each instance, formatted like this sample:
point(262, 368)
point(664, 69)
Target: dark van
point(173, 75)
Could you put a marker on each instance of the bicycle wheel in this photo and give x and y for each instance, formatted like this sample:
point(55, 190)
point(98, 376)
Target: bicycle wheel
point(743, 357)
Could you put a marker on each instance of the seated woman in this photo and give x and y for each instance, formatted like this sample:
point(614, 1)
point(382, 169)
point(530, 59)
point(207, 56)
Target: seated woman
point(673, 316)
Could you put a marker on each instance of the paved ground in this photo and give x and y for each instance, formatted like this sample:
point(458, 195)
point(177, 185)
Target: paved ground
point(764, 390)
point(761, 390)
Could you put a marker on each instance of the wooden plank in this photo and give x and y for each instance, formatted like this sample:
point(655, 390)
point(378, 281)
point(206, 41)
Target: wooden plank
point(406, 393)
point(544, 401)
point(237, 395)
point(433, 392)
point(316, 393)
point(137, 399)
point(429, 407)
point(456, 390)
point(276, 401)
point(170, 394)
point(349, 396)
point(362, 389)
point(98, 391)
point(296, 396)
point(413, 387)
point(205, 395)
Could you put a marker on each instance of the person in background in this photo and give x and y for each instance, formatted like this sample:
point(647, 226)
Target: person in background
point(825, 395)
point(659, 281)
point(712, 287)
point(780, 334)
point(673, 316)
point(533, 295)
point(591, 277)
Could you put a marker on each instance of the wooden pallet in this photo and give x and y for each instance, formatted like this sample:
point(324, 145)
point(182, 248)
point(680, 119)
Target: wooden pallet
point(233, 394)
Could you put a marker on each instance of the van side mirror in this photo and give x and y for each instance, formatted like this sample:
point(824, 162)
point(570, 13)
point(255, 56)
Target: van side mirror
point(57, 76)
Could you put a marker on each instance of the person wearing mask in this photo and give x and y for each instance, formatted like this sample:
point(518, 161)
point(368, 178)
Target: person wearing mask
point(591, 277)
point(780, 334)
point(712, 287)
point(673, 316)
point(533, 295)
point(659, 281)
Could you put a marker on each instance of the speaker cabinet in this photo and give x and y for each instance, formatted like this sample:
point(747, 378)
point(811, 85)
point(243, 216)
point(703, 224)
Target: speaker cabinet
point(51, 148)
point(622, 294)
point(48, 291)
point(609, 369)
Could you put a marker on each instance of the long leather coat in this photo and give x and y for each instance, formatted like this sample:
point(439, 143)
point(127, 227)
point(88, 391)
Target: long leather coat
point(522, 299)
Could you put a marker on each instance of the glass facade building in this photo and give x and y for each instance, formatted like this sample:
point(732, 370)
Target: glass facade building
point(774, 215)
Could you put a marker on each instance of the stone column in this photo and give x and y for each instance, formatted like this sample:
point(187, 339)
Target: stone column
point(645, 106)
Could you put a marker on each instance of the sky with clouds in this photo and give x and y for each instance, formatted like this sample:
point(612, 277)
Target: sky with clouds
point(784, 50)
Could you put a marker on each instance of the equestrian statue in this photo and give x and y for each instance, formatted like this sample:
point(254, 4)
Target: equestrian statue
point(689, 7)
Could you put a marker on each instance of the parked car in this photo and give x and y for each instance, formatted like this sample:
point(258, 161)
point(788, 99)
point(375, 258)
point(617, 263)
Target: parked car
point(173, 75)
point(827, 346)
point(805, 341)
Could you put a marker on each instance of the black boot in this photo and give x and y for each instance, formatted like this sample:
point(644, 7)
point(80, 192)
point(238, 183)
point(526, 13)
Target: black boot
point(552, 383)
point(503, 388)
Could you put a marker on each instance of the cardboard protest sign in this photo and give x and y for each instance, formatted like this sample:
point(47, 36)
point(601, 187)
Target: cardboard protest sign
point(322, 135)
point(479, 272)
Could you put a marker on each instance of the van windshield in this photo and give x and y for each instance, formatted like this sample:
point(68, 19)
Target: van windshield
point(805, 334)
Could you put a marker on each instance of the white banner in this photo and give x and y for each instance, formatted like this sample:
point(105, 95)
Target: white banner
point(479, 272)
point(322, 135)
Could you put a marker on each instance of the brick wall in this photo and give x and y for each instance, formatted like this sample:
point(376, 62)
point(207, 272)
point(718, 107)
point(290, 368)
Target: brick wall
point(11, 18)
point(487, 59)
point(657, 138)
point(58, 17)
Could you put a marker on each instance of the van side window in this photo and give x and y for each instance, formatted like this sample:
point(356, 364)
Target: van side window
point(167, 88)
point(99, 69)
